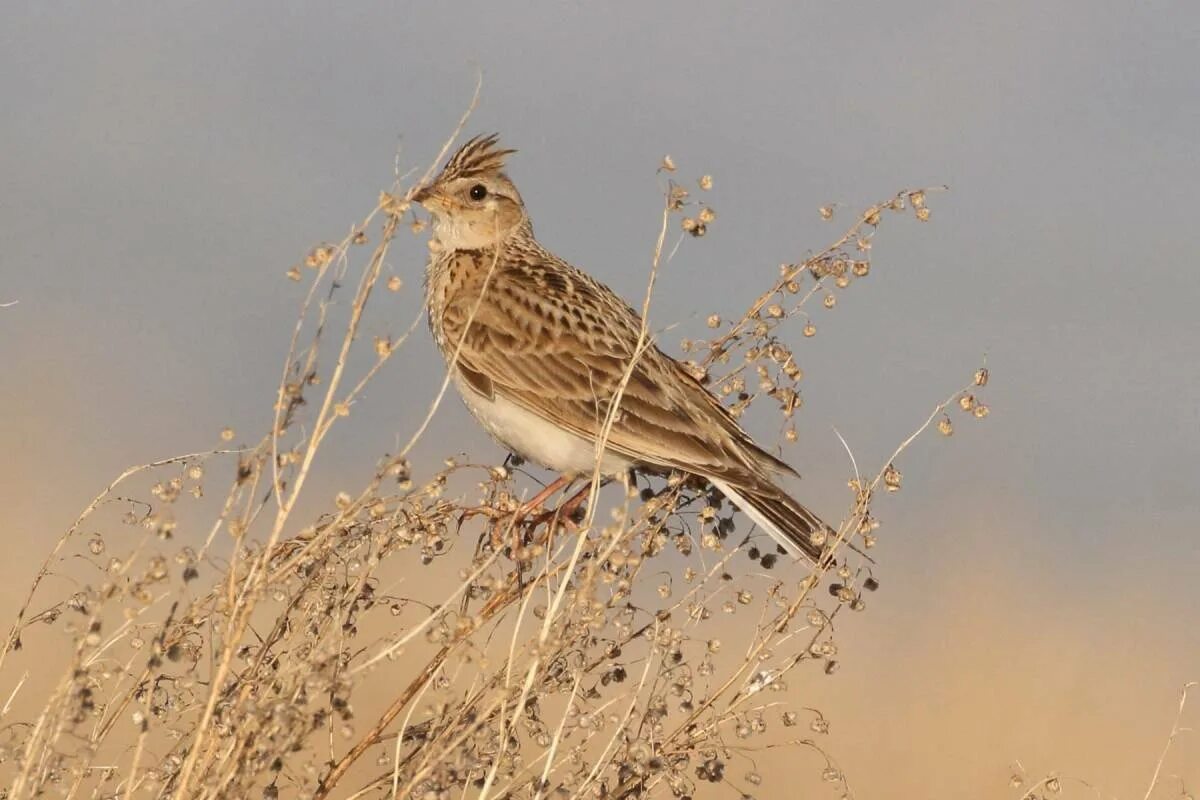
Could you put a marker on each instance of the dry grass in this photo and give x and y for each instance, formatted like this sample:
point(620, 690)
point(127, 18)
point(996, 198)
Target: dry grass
point(393, 644)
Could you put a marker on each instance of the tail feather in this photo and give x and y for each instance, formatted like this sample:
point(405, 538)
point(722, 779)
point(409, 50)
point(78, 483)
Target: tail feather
point(790, 524)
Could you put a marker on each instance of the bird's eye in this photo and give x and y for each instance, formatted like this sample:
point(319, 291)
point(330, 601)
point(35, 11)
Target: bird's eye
point(478, 192)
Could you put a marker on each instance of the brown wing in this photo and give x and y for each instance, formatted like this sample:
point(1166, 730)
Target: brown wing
point(558, 343)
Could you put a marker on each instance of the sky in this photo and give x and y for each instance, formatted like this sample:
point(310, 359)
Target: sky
point(164, 164)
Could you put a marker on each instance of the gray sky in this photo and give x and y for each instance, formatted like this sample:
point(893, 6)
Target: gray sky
point(163, 164)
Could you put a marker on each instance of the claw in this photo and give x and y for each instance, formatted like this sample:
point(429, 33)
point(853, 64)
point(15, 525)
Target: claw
point(532, 514)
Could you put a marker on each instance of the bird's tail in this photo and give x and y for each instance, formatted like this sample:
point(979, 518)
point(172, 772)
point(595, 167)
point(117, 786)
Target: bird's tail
point(794, 527)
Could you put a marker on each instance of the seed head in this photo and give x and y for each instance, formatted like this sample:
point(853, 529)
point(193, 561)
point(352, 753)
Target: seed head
point(892, 478)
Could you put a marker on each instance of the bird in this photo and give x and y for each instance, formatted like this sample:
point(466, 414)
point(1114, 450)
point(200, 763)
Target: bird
point(537, 348)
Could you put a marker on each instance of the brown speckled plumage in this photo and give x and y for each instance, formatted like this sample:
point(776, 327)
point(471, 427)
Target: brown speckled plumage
point(533, 340)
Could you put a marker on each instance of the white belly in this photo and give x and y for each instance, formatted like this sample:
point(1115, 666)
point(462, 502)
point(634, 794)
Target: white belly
point(538, 440)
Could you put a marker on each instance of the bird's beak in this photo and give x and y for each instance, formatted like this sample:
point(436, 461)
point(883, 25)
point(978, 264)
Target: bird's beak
point(429, 197)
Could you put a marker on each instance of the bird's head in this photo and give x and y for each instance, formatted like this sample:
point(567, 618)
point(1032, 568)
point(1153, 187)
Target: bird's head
point(473, 203)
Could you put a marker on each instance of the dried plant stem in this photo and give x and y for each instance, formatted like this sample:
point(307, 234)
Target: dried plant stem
point(14, 635)
point(1175, 731)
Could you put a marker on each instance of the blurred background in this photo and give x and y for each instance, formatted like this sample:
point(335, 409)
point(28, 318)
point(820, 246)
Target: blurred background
point(163, 165)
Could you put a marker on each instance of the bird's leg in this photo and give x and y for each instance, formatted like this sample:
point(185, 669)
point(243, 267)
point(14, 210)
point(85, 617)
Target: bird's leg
point(527, 508)
point(565, 511)
point(541, 497)
point(488, 509)
point(573, 503)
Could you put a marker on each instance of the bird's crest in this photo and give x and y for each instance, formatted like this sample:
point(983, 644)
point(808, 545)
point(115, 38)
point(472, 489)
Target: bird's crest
point(480, 155)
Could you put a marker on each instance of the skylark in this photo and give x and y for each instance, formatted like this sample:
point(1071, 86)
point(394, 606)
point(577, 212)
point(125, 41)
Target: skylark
point(537, 348)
